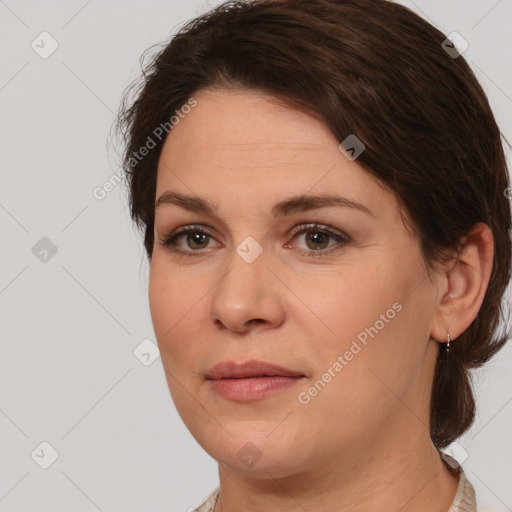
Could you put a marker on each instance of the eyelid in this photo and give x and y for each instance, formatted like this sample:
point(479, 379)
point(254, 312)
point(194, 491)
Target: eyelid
point(310, 226)
point(165, 239)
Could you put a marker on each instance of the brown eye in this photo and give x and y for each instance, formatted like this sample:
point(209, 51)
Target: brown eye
point(317, 240)
point(196, 238)
point(317, 237)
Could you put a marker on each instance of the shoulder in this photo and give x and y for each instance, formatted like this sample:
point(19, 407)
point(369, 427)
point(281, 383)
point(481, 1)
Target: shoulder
point(209, 504)
point(465, 498)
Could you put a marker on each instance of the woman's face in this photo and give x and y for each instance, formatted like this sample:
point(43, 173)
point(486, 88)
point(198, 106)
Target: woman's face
point(345, 305)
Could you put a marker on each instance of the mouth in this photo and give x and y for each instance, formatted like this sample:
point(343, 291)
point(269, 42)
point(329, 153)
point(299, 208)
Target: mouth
point(249, 369)
point(250, 381)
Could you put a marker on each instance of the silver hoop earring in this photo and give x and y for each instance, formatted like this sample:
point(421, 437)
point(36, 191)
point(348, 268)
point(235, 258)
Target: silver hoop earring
point(448, 342)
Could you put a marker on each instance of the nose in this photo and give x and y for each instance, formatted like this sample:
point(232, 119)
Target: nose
point(248, 296)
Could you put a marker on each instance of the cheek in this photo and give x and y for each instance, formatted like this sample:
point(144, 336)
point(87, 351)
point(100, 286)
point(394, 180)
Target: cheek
point(346, 304)
point(173, 306)
point(369, 319)
point(173, 301)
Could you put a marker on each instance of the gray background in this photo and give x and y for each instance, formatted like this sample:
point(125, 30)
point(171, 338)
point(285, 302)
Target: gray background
point(70, 324)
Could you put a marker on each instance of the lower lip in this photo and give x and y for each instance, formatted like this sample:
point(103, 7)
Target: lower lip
point(252, 388)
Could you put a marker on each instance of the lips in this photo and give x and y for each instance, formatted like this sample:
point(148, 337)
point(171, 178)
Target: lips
point(253, 368)
point(250, 381)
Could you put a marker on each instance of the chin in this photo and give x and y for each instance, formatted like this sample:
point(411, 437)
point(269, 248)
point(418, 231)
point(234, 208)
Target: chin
point(256, 454)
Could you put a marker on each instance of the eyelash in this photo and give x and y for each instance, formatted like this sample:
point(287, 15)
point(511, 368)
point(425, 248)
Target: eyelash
point(169, 241)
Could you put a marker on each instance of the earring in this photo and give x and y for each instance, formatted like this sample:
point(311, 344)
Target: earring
point(448, 342)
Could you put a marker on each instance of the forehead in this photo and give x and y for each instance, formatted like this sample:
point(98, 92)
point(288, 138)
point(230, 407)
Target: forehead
point(248, 124)
point(247, 143)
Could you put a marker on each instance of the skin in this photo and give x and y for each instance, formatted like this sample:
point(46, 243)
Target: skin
point(363, 442)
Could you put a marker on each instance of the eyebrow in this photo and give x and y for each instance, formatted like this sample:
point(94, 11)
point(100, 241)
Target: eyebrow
point(293, 204)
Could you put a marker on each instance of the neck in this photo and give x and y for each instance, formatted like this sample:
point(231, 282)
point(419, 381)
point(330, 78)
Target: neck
point(408, 477)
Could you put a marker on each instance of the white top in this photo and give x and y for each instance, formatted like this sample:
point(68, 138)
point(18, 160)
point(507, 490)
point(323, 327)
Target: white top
point(465, 499)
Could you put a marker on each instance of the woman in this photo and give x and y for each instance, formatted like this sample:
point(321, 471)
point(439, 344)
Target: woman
point(322, 190)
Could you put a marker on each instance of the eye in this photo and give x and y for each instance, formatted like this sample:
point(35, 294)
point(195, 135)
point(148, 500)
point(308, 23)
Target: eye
point(197, 236)
point(317, 239)
point(317, 235)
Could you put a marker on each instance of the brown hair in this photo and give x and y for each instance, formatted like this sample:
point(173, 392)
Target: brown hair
point(371, 68)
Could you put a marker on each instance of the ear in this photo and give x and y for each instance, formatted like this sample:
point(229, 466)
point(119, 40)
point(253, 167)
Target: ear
point(463, 283)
